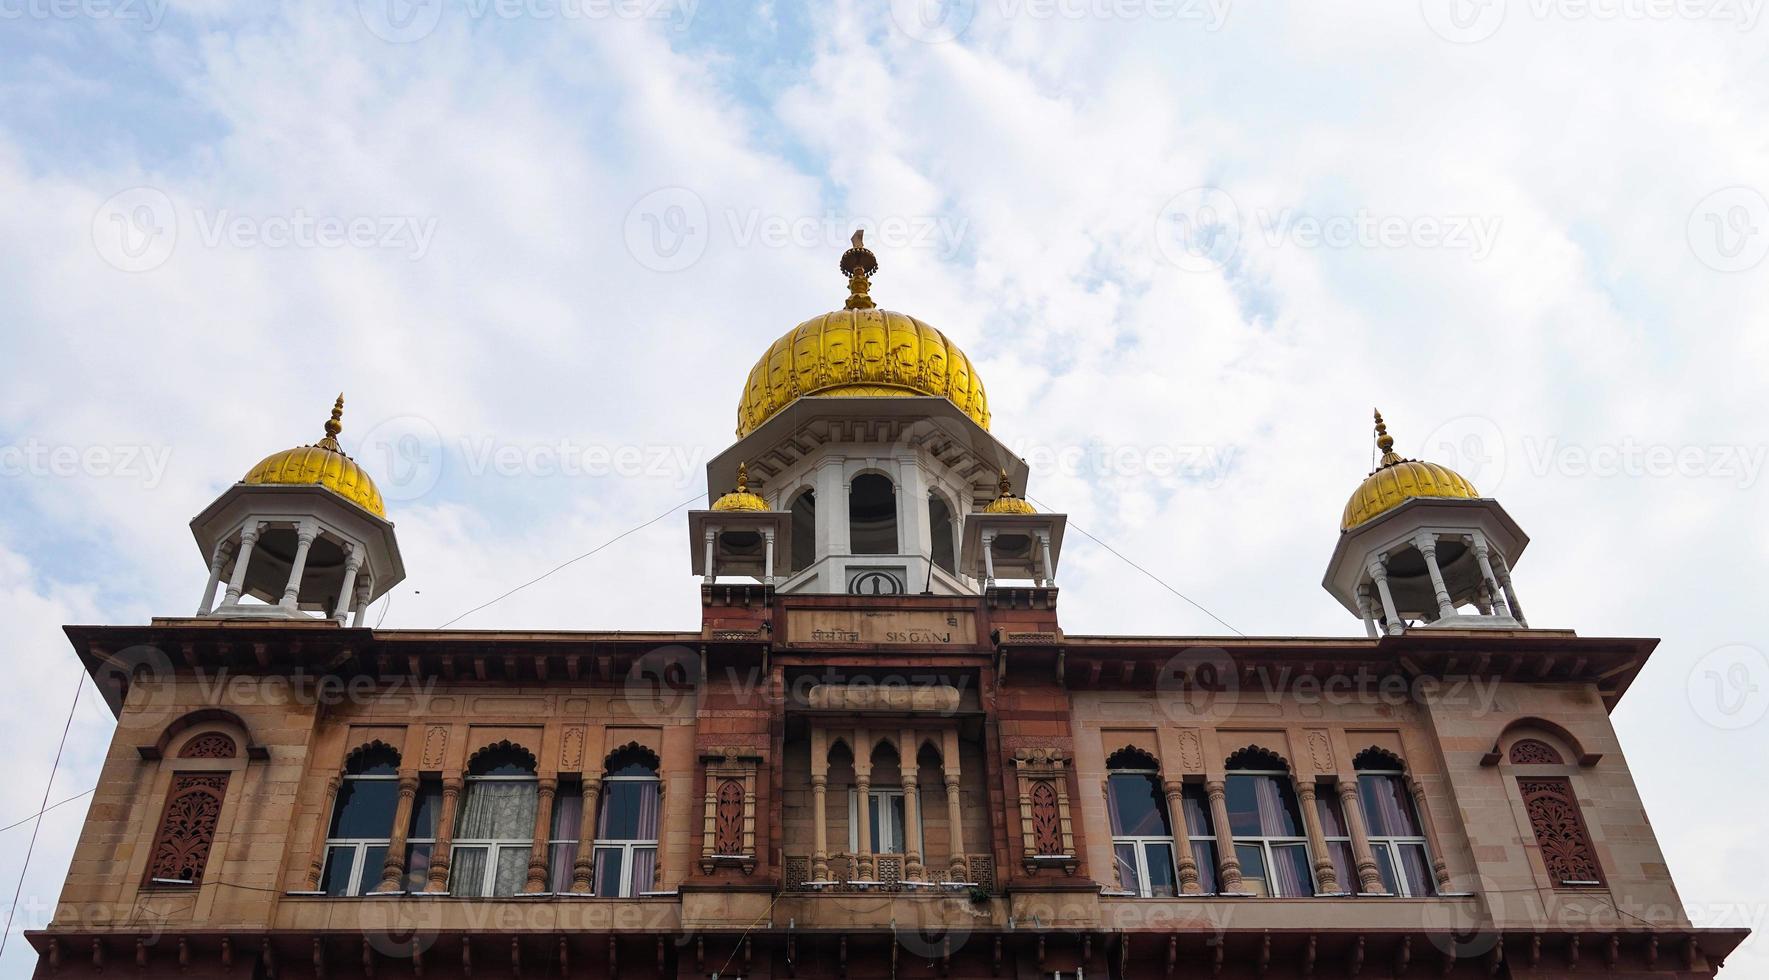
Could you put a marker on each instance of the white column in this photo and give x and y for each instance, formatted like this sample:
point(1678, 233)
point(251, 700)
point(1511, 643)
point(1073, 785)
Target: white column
point(1379, 574)
point(832, 508)
point(915, 535)
point(352, 563)
point(1426, 542)
point(1049, 576)
point(304, 536)
point(248, 541)
point(1483, 558)
point(363, 588)
point(711, 536)
point(768, 557)
point(222, 551)
point(988, 558)
point(1366, 609)
point(1504, 572)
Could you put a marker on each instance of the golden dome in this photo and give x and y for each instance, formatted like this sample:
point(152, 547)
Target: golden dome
point(741, 498)
point(1006, 503)
point(321, 464)
point(860, 352)
point(1397, 480)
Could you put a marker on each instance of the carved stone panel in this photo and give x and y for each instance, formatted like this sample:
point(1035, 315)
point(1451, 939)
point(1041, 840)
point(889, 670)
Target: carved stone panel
point(1046, 830)
point(1560, 831)
point(187, 828)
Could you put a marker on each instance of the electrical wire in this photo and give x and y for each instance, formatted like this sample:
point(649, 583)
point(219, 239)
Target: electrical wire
point(46, 809)
point(41, 808)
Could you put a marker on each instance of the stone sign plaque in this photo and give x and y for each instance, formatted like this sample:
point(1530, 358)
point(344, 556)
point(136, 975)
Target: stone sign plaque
point(824, 627)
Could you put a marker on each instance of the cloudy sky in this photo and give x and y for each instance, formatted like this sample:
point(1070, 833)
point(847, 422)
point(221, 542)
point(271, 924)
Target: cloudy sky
point(1189, 244)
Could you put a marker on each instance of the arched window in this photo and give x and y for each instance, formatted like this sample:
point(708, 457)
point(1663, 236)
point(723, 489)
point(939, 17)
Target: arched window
point(187, 828)
point(1396, 836)
point(362, 821)
point(872, 516)
point(1562, 839)
point(626, 831)
point(494, 831)
point(1142, 832)
point(804, 530)
point(886, 811)
point(1266, 825)
point(943, 531)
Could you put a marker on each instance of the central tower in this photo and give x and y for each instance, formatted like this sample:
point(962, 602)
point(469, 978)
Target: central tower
point(864, 465)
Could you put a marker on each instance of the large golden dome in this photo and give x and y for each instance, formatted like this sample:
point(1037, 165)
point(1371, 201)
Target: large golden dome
point(1397, 480)
point(321, 464)
point(860, 352)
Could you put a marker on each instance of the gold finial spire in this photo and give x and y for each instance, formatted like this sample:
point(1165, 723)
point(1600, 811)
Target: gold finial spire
point(741, 498)
point(1006, 486)
point(334, 425)
point(1385, 442)
point(742, 477)
point(858, 264)
point(1005, 502)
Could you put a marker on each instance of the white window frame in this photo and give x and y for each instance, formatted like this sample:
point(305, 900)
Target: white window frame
point(554, 842)
point(410, 841)
point(625, 847)
point(878, 793)
point(494, 846)
point(1392, 845)
point(359, 845)
point(1268, 845)
point(1144, 887)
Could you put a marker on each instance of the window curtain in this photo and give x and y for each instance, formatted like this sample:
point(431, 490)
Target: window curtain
point(495, 810)
point(1290, 871)
point(1275, 816)
point(567, 821)
point(644, 870)
point(1389, 807)
point(629, 811)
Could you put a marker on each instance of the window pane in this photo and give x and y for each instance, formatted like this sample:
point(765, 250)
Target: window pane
point(1417, 871)
point(1124, 857)
point(1138, 808)
point(374, 861)
point(629, 811)
point(1252, 858)
point(1344, 865)
point(1385, 862)
point(568, 812)
point(466, 872)
point(560, 863)
point(1198, 822)
point(417, 867)
point(1332, 815)
point(426, 811)
point(644, 870)
point(607, 871)
point(497, 809)
point(1388, 806)
point(896, 809)
point(512, 870)
point(1243, 805)
point(1262, 806)
point(1204, 855)
point(872, 806)
point(1162, 881)
point(364, 809)
point(335, 879)
point(1290, 873)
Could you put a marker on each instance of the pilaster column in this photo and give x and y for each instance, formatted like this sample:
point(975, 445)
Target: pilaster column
point(1440, 869)
point(363, 588)
point(1046, 568)
point(1379, 574)
point(304, 536)
point(711, 538)
point(1366, 609)
point(1228, 864)
point(223, 551)
point(583, 870)
point(863, 822)
point(393, 869)
point(321, 831)
point(988, 558)
point(352, 564)
point(1324, 872)
point(1182, 838)
point(1483, 558)
point(248, 542)
point(832, 508)
point(1504, 572)
point(543, 830)
point(1369, 874)
point(768, 556)
point(820, 826)
point(445, 835)
point(953, 770)
point(1426, 542)
point(912, 867)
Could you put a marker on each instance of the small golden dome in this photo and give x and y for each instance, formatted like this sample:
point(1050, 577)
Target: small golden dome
point(321, 464)
point(1397, 480)
point(860, 351)
point(740, 498)
point(1006, 503)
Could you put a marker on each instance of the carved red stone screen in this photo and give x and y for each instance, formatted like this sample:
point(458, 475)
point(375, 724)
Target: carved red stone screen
point(1534, 752)
point(187, 829)
point(1047, 830)
point(1560, 831)
point(728, 819)
point(210, 745)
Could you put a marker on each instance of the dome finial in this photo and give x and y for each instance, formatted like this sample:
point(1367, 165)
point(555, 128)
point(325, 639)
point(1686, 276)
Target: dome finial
point(1005, 502)
point(858, 264)
point(742, 477)
point(334, 425)
point(741, 498)
point(1385, 442)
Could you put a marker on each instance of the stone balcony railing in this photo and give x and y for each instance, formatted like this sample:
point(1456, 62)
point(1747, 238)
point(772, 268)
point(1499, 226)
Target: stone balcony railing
point(888, 874)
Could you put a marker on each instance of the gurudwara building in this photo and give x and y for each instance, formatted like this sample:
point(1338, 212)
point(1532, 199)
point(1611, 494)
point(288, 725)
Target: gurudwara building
point(878, 755)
